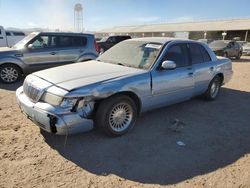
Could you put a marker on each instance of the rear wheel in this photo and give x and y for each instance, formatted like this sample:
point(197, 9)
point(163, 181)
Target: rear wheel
point(10, 73)
point(213, 88)
point(116, 115)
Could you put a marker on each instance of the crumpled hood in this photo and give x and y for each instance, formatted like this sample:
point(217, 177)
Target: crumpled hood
point(81, 74)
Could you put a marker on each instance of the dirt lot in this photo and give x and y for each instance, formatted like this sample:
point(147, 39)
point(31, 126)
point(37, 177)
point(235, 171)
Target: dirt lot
point(216, 154)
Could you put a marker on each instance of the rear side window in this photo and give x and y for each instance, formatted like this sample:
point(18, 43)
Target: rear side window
point(198, 54)
point(195, 53)
point(205, 55)
point(79, 41)
point(72, 41)
point(178, 53)
point(8, 33)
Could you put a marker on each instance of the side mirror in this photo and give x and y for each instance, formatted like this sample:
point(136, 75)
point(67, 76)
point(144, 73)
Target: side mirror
point(168, 65)
point(30, 46)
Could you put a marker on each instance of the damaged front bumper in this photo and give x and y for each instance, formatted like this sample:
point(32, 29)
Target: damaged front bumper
point(51, 118)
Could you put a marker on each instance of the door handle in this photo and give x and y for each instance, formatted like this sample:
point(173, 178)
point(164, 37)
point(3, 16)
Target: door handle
point(52, 53)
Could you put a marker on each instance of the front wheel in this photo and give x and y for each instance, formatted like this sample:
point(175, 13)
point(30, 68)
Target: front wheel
point(213, 88)
point(10, 73)
point(116, 115)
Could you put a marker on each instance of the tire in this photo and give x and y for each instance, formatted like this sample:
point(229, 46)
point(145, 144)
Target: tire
point(116, 115)
point(10, 73)
point(213, 89)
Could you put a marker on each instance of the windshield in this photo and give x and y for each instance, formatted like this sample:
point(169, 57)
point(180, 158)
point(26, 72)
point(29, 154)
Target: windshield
point(137, 54)
point(104, 39)
point(24, 41)
point(218, 44)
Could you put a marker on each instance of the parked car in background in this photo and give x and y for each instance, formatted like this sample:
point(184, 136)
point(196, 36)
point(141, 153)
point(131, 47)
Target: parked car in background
point(226, 48)
point(242, 43)
point(98, 39)
point(206, 41)
point(107, 42)
point(134, 76)
point(246, 49)
point(42, 50)
point(9, 38)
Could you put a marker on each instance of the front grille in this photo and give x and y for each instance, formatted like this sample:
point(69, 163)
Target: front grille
point(31, 91)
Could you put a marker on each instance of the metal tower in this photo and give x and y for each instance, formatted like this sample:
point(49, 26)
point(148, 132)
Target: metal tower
point(78, 17)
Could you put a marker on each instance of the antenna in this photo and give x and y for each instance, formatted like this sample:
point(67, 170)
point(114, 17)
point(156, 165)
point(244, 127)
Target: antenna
point(78, 17)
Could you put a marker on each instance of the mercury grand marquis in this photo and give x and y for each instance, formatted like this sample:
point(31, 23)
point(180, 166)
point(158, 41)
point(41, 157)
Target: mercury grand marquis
point(132, 77)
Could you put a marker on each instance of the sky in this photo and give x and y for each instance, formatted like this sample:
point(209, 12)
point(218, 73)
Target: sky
point(101, 14)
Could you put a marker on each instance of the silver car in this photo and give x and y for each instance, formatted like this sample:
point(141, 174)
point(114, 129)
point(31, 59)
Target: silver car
point(134, 76)
point(45, 50)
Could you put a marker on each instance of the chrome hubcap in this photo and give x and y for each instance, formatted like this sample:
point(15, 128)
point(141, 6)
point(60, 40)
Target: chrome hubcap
point(120, 117)
point(9, 74)
point(214, 89)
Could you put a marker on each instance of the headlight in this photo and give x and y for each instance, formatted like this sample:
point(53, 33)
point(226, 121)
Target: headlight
point(69, 103)
point(52, 99)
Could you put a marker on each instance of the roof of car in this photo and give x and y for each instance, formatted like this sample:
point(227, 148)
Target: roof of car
point(162, 40)
point(63, 33)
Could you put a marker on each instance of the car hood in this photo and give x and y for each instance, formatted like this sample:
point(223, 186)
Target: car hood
point(77, 75)
point(7, 49)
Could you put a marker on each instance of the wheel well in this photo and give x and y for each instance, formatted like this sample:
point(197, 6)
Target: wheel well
point(13, 65)
point(221, 76)
point(130, 94)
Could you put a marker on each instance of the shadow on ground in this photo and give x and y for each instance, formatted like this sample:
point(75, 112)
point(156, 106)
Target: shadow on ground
point(216, 135)
point(243, 59)
point(11, 87)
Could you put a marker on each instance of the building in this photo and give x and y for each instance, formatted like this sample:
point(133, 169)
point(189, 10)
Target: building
point(216, 29)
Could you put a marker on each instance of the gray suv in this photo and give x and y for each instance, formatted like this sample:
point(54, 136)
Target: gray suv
point(42, 50)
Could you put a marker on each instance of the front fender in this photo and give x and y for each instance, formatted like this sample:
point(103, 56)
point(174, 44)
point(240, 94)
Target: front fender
point(13, 60)
point(137, 84)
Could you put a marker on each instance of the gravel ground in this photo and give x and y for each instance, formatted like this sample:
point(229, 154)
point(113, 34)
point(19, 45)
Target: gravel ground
point(215, 134)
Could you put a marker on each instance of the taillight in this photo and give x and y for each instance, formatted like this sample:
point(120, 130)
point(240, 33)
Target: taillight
point(96, 47)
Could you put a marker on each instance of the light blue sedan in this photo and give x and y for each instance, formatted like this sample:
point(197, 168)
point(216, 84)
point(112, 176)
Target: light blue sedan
point(134, 76)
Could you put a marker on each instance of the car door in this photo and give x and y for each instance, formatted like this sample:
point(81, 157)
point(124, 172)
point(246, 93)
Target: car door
point(230, 49)
point(237, 48)
point(203, 67)
point(171, 86)
point(41, 53)
point(71, 48)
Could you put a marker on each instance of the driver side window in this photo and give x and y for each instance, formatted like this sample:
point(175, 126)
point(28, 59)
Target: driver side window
point(40, 42)
point(177, 53)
